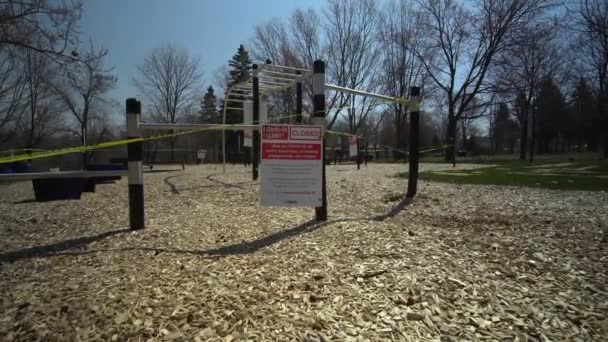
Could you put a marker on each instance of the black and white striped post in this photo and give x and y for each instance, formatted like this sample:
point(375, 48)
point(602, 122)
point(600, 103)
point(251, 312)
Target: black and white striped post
point(414, 104)
point(299, 99)
point(136, 174)
point(318, 118)
point(256, 120)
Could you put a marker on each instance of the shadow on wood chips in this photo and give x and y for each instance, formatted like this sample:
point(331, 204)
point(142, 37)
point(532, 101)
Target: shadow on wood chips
point(55, 248)
point(245, 247)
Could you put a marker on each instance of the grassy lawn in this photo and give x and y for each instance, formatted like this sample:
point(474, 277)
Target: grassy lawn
point(562, 175)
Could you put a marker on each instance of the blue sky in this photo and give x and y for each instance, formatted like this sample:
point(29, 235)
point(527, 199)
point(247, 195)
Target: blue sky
point(209, 29)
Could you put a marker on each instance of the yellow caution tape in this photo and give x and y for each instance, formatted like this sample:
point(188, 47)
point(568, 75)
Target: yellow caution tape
point(341, 133)
point(80, 149)
point(22, 149)
point(435, 149)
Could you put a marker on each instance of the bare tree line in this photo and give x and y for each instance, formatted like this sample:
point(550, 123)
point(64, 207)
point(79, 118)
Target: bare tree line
point(50, 85)
point(468, 56)
point(474, 59)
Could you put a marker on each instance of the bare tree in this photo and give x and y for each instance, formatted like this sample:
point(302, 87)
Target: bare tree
point(401, 69)
point(296, 43)
point(272, 41)
point(221, 77)
point(82, 84)
point(101, 123)
point(44, 112)
point(465, 40)
point(353, 51)
point(44, 26)
point(532, 57)
point(169, 81)
point(12, 94)
point(592, 25)
point(306, 37)
point(469, 119)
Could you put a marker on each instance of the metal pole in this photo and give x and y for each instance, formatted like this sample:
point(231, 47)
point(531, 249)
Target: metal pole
point(364, 93)
point(358, 154)
point(135, 170)
point(318, 108)
point(256, 120)
point(299, 100)
point(412, 182)
point(185, 127)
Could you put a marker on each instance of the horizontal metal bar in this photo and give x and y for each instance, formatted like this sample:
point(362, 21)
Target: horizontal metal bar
point(60, 174)
point(286, 67)
point(271, 83)
point(262, 66)
point(184, 127)
point(266, 78)
point(273, 87)
point(289, 80)
point(296, 76)
point(234, 108)
point(364, 93)
point(268, 86)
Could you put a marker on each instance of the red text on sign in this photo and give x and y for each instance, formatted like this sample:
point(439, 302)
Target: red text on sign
point(305, 133)
point(279, 151)
point(275, 132)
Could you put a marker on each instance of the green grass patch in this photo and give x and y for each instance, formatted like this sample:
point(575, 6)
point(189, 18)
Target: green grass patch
point(562, 175)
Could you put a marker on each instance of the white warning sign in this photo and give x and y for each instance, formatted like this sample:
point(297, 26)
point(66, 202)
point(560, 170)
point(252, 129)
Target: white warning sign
point(291, 166)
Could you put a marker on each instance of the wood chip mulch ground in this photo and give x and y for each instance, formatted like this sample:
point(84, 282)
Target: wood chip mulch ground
point(460, 262)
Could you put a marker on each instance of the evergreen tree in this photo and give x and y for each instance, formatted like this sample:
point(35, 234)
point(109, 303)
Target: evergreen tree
point(240, 67)
point(585, 116)
point(209, 112)
point(504, 130)
point(551, 118)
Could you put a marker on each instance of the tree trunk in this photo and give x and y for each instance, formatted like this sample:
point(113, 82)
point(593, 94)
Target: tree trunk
point(532, 137)
point(464, 135)
point(450, 152)
point(83, 141)
point(523, 141)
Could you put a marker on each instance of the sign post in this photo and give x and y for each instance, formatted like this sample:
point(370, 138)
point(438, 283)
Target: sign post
point(291, 166)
